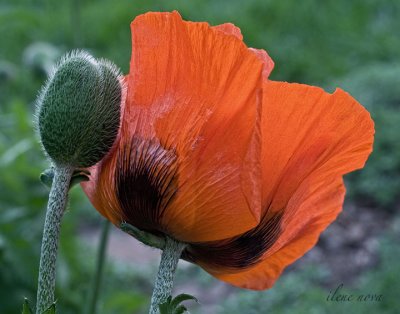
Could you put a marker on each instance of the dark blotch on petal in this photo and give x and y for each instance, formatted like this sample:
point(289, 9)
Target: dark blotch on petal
point(146, 182)
point(238, 252)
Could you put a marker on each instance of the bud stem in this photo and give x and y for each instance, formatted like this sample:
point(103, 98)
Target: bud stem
point(165, 277)
point(51, 232)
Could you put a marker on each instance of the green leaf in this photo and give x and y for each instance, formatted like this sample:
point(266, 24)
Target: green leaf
point(165, 308)
point(77, 177)
point(46, 177)
point(172, 306)
point(26, 308)
point(51, 309)
point(180, 310)
point(182, 297)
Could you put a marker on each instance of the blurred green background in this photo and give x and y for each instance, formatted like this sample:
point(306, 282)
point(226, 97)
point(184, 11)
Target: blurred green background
point(351, 44)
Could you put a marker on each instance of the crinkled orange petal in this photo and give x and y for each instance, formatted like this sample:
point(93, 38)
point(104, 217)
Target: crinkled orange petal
point(308, 131)
point(231, 29)
point(266, 59)
point(196, 91)
point(310, 140)
point(314, 210)
point(100, 189)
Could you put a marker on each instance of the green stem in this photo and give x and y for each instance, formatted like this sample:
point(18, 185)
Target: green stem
point(166, 272)
point(51, 232)
point(143, 236)
point(94, 293)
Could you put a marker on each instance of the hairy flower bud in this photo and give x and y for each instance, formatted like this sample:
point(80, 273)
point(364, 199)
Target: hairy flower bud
point(78, 110)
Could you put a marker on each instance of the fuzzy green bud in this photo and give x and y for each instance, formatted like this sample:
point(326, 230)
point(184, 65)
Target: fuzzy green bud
point(78, 110)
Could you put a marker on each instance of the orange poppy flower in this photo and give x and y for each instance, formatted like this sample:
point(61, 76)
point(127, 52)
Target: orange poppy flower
point(246, 171)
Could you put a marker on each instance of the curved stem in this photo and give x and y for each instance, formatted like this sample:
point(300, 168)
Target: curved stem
point(94, 293)
point(51, 232)
point(143, 236)
point(166, 272)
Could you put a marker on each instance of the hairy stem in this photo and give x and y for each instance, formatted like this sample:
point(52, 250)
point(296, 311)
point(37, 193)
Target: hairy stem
point(94, 293)
point(165, 277)
point(51, 232)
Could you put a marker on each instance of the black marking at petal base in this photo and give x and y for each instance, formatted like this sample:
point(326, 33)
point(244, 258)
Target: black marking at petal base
point(146, 182)
point(237, 252)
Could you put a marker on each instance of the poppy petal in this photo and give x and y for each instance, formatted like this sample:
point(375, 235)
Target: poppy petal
point(187, 92)
point(310, 139)
point(231, 29)
point(307, 131)
point(100, 189)
point(266, 59)
point(314, 211)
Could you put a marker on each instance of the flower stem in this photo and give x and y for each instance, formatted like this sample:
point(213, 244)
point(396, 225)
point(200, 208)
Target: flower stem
point(165, 277)
point(94, 293)
point(51, 232)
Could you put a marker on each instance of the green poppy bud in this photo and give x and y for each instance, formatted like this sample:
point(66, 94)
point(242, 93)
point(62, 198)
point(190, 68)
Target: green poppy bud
point(78, 110)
